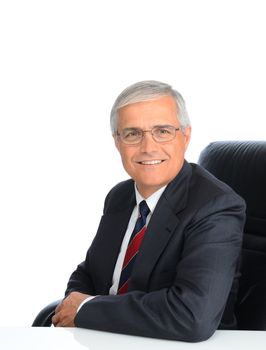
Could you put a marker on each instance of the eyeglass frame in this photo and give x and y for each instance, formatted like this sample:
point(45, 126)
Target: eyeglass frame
point(142, 132)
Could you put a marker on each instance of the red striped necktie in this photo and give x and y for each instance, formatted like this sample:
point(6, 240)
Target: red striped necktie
point(133, 247)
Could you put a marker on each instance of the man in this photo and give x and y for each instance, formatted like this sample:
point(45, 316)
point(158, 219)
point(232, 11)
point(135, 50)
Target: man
point(166, 253)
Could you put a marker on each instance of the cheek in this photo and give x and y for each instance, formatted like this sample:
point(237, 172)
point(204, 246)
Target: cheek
point(126, 156)
point(176, 155)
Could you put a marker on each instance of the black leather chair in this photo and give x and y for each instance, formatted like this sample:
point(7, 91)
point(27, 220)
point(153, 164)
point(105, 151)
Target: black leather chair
point(44, 317)
point(242, 165)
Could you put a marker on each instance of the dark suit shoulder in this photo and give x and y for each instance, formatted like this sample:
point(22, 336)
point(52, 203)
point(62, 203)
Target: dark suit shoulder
point(203, 177)
point(194, 187)
point(120, 197)
point(205, 187)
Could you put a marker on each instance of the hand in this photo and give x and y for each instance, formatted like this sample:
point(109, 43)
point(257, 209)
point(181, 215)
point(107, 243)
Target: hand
point(67, 310)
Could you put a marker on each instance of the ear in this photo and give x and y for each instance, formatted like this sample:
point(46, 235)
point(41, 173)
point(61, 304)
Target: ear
point(187, 136)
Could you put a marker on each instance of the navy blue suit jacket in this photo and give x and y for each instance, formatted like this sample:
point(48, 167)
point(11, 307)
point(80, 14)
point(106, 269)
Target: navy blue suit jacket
point(186, 267)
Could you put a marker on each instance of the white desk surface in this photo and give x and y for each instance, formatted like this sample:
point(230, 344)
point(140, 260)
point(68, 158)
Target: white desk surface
point(15, 338)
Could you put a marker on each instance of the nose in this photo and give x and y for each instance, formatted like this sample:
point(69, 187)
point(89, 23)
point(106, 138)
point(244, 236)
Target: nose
point(148, 144)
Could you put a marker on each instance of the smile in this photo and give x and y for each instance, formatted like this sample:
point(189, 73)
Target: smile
point(151, 162)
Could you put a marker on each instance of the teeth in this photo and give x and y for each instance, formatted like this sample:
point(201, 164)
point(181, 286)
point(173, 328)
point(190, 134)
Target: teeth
point(151, 162)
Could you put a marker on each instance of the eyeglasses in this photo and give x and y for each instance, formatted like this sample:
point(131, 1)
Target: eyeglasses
point(161, 133)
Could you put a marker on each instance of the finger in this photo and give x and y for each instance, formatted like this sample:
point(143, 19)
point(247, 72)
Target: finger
point(55, 320)
point(67, 323)
point(58, 308)
point(64, 323)
point(61, 320)
point(58, 324)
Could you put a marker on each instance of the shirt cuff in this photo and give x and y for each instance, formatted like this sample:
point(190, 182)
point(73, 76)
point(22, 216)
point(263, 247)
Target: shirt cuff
point(85, 301)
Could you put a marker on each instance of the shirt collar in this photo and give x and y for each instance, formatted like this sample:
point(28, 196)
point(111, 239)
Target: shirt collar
point(152, 200)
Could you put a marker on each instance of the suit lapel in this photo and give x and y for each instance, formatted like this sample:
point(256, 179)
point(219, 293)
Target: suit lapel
point(108, 246)
point(162, 226)
point(107, 243)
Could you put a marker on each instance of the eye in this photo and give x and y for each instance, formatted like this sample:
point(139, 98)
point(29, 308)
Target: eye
point(131, 133)
point(163, 131)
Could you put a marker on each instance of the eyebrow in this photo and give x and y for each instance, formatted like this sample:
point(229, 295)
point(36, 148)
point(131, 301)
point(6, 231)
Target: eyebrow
point(154, 126)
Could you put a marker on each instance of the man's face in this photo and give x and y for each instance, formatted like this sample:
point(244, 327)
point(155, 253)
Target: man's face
point(139, 160)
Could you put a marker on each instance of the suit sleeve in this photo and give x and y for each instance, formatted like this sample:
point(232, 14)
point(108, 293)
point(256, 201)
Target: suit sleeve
point(192, 307)
point(80, 280)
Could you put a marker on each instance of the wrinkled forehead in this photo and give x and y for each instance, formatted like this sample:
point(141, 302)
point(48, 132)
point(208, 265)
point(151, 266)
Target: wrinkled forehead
point(160, 111)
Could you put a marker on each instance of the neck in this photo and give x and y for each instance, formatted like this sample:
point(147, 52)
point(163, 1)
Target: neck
point(147, 191)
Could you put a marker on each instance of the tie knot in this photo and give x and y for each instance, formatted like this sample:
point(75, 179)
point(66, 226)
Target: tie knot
point(143, 209)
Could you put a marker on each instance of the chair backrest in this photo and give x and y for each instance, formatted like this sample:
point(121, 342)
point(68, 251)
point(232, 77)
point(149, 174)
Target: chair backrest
point(242, 165)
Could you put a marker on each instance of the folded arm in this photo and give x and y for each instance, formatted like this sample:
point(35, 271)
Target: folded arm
point(192, 307)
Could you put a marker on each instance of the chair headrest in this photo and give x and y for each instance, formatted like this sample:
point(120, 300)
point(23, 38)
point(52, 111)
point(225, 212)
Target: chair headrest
point(242, 165)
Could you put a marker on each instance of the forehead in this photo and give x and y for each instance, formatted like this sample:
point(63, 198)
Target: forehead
point(162, 110)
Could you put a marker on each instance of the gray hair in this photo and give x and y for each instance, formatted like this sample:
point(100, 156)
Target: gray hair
point(148, 90)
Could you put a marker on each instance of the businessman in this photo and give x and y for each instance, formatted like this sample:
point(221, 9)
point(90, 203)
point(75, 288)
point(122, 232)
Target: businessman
point(164, 261)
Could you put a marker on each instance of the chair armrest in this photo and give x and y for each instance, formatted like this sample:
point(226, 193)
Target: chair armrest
point(44, 317)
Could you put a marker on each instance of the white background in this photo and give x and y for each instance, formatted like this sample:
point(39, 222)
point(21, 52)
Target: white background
point(62, 64)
